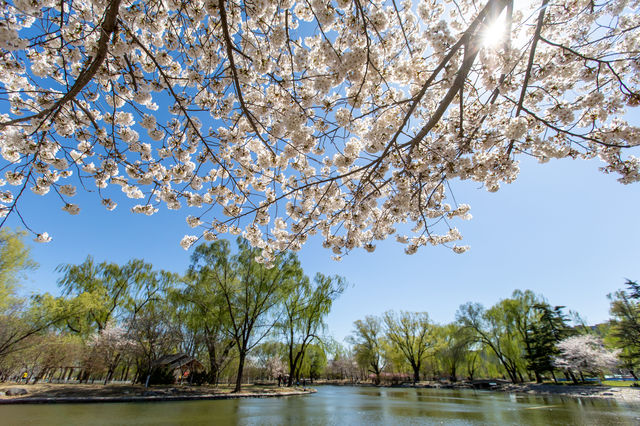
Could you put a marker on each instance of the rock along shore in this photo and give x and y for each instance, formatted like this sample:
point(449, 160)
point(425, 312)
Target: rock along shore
point(621, 394)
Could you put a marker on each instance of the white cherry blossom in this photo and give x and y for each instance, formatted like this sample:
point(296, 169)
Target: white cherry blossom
point(277, 120)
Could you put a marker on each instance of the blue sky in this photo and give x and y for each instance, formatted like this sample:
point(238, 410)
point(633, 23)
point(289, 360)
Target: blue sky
point(563, 229)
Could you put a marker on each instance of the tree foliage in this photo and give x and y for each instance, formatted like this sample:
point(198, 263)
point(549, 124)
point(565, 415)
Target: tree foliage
point(15, 262)
point(201, 308)
point(625, 310)
point(251, 299)
point(304, 308)
point(244, 319)
point(452, 347)
point(410, 333)
point(112, 292)
point(368, 344)
point(22, 319)
point(492, 328)
point(549, 328)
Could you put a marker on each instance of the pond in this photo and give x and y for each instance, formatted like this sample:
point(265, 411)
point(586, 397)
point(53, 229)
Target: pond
point(336, 405)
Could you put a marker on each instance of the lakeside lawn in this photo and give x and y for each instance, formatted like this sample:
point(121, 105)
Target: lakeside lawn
point(610, 383)
point(620, 383)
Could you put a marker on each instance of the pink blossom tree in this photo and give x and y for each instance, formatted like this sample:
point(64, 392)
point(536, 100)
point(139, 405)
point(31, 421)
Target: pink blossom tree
point(585, 353)
point(108, 347)
point(275, 366)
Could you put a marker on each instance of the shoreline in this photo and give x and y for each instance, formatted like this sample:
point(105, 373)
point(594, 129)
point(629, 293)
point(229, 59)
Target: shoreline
point(114, 393)
point(619, 394)
point(153, 394)
point(623, 394)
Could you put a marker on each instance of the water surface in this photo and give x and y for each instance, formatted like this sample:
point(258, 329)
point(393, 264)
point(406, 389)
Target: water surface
point(335, 405)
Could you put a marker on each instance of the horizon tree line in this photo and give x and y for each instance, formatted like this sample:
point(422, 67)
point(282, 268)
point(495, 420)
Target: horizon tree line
point(521, 338)
point(243, 319)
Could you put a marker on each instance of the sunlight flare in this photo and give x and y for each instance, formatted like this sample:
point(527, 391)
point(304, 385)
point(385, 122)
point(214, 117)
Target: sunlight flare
point(494, 34)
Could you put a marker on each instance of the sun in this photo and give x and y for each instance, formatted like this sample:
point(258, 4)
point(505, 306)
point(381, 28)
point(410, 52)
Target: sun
point(493, 34)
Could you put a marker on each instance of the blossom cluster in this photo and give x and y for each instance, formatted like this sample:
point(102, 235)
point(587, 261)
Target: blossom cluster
point(281, 119)
point(585, 353)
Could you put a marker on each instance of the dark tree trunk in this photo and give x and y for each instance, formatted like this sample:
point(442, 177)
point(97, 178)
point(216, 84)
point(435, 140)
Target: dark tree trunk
point(416, 374)
point(112, 369)
point(125, 375)
point(214, 372)
point(39, 376)
point(376, 371)
point(452, 376)
point(241, 358)
point(573, 377)
point(513, 375)
point(217, 360)
point(293, 366)
point(538, 377)
point(511, 371)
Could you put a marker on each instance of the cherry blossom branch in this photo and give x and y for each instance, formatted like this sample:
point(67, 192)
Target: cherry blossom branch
point(107, 27)
point(234, 73)
point(532, 54)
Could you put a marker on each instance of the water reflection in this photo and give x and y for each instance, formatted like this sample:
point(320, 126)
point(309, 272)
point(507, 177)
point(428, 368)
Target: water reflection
point(341, 406)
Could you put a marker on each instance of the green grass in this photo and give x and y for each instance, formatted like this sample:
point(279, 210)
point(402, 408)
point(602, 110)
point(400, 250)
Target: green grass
point(619, 383)
point(612, 383)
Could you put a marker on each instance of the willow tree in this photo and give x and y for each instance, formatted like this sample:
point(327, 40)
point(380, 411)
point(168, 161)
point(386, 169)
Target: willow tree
point(453, 348)
point(24, 318)
point(15, 262)
point(202, 303)
point(251, 294)
point(112, 292)
point(411, 334)
point(495, 329)
point(33, 318)
point(305, 307)
point(280, 119)
point(368, 346)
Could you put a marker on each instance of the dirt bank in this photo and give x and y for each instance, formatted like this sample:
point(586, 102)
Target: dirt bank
point(92, 393)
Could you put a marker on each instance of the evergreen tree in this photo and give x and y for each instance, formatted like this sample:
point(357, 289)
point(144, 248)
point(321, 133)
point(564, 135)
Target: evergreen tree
point(543, 335)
